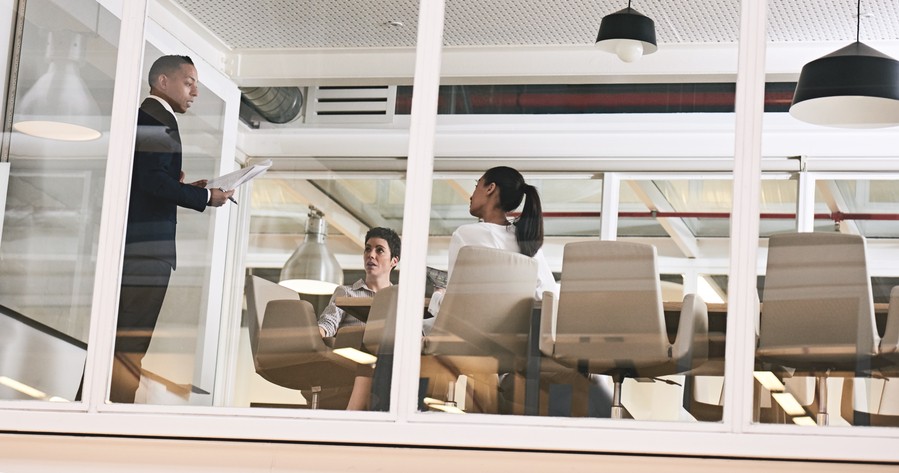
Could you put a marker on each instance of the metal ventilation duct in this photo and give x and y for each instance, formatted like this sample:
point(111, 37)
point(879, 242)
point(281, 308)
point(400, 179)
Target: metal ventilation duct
point(275, 104)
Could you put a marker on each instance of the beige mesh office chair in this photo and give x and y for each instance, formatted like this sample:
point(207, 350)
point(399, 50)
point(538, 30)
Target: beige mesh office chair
point(609, 317)
point(817, 310)
point(287, 347)
point(483, 324)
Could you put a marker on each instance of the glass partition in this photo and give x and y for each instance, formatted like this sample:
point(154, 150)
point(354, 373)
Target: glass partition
point(55, 145)
point(824, 283)
point(349, 364)
point(531, 322)
point(181, 347)
point(329, 211)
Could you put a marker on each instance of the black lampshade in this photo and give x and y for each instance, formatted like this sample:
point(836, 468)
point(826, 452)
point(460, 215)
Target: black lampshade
point(625, 29)
point(854, 87)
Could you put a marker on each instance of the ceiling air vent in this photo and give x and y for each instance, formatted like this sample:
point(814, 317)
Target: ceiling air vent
point(358, 104)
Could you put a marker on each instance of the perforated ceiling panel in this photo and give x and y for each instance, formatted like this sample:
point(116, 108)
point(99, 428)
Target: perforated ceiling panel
point(272, 24)
point(832, 20)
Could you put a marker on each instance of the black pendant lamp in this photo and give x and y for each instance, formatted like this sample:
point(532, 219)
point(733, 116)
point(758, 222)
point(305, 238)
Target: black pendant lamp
point(627, 33)
point(853, 87)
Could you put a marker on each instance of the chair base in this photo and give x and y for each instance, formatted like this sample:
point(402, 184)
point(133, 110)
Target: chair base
point(822, 417)
point(313, 403)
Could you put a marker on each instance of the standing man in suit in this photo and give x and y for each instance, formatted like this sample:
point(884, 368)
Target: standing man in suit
point(157, 190)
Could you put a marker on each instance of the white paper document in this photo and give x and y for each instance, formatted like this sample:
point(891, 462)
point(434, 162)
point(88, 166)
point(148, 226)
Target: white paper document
point(233, 180)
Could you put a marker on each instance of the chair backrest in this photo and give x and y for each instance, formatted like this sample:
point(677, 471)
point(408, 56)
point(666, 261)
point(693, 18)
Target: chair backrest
point(610, 306)
point(487, 306)
point(288, 335)
point(259, 293)
point(380, 328)
point(817, 306)
point(287, 346)
point(889, 344)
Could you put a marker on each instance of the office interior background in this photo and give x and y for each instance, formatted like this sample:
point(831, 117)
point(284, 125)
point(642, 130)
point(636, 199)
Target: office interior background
point(385, 114)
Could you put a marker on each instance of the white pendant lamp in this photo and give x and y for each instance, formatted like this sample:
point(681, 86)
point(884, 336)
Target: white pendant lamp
point(312, 268)
point(59, 105)
point(853, 87)
point(628, 34)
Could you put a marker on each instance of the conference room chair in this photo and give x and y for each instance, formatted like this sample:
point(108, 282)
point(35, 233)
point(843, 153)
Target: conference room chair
point(481, 331)
point(817, 315)
point(288, 349)
point(609, 318)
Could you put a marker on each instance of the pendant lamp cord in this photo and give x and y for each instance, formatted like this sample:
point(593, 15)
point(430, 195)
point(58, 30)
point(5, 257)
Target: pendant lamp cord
point(629, 5)
point(858, 19)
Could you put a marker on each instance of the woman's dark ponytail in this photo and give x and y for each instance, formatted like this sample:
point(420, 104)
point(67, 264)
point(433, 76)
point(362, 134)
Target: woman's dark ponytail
point(529, 227)
point(512, 189)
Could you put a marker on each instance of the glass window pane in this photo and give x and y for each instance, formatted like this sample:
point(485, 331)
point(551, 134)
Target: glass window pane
point(329, 210)
point(57, 162)
point(180, 361)
point(569, 135)
point(824, 285)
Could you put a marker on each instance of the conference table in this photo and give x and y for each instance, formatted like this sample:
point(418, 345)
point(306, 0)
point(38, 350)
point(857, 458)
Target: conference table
point(359, 307)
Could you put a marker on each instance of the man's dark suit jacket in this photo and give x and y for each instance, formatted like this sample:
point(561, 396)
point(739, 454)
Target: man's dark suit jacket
point(156, 191)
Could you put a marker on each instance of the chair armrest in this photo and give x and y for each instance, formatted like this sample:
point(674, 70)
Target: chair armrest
point(691, 344)
point(349, 337)
point(889, 344)
point(548, 311)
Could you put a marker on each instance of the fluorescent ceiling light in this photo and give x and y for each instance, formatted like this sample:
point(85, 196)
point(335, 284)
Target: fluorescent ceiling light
point(789, 404)
point(22, 388)
point(768, 380)
point(439, 405)
point(707, 291)
point(805, 421)
point(358, 356)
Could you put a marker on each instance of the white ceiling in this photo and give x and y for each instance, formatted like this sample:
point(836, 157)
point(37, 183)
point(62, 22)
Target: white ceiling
point(288, 24)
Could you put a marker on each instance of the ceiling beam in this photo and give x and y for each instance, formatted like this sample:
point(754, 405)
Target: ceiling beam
point(482, 65)
point(836, 203)
point(337, 217)
point(674, 226)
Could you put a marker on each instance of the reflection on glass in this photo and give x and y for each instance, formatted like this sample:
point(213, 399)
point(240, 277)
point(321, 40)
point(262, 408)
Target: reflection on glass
point(825, 294)
point(586, 139)
point(53, 199)
point(339, 354)
point(867, 207)
point(702, 206)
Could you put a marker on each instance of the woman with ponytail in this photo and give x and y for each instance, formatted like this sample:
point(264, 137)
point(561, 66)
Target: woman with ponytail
point(500, 191)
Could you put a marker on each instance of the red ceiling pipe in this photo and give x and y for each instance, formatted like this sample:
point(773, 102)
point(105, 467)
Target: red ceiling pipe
point(835, 216)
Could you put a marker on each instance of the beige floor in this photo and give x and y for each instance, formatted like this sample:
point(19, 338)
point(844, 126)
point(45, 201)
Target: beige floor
point(52, 454)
